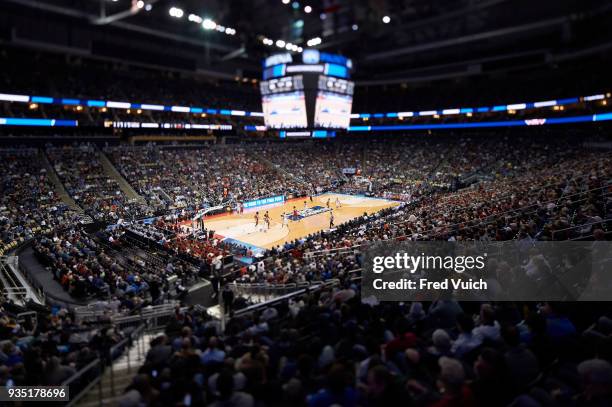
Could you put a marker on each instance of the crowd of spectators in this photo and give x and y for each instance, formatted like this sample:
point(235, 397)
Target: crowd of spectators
point(326, 347)
point(318, 167)
point(405, 168)
point(198, 177)
point(329, 348)
point(29, 202)
point(534, 192)
point(46, 347)
point(81, 171)
point(106, 267)
point(528, 189)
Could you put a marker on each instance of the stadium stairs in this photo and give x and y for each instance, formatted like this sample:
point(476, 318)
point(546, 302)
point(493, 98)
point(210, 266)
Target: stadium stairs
point(114, 381)
point(59, 187)
point(112, 172)
point(280, 169)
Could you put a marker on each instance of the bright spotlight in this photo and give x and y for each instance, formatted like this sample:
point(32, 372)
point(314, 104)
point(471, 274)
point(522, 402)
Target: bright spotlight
point(386, 19)
point(140, 4)
point(307, 9)
point(195, 18)
point(289, 46)
point(300, 49)
point(313, 41)
point(355, 27)
point(176, 12)
point(148, 7)
point(209, 24)
point(280, 43)
point(286, 1)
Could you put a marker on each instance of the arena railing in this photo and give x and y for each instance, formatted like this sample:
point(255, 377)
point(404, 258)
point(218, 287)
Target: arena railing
point(262, 305)
point(265, 291)
point(569, 230)
point(34, 289)
point(97, 312)
point(335, 250)
point(11, 287)
point(272, 292)
point(22, 316)
point(514, 181)
point(40, 289)
point(488, 219)
point(155, 317)
point(90, 376)
point(515, 213)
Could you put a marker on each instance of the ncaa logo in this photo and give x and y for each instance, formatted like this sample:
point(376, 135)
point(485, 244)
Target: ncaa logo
point(310, 56)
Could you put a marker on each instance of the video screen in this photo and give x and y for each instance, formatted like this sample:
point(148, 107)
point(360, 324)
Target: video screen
point(282, 85)
point(333, 111)
point(285, 111)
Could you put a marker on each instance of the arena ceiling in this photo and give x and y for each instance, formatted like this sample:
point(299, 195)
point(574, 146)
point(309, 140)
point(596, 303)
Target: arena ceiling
point(389, 40)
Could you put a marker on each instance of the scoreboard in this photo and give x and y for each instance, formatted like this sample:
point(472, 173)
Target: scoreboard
point(307, 94)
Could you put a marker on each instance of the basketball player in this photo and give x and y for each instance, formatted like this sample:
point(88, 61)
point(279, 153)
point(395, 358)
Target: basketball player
point(331, 219)
point(256, 219)
point(267, 220)
point(285, 220)
point(295, 212)
point(338, 204)
point(327, 204)
point(305, 205)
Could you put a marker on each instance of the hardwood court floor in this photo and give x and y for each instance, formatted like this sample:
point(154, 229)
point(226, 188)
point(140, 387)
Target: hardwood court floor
point(242, 227)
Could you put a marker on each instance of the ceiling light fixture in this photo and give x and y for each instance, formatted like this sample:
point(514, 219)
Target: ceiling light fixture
point(176, 12)
point(209, 24)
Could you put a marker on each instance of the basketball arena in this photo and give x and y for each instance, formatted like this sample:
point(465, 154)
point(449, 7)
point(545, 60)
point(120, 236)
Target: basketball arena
point(306, 203)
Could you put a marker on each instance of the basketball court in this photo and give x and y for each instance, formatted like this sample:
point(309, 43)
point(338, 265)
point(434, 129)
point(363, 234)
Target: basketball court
point(241, 227)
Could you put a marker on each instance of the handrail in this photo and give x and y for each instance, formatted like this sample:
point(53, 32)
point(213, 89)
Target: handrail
point(26, 282)
point(40, 289)
point(98, 366)
point(80, 373)
point(255, 307)
point(581, 226)
point(297, 285)
point(486, 221)
point(529, 206)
